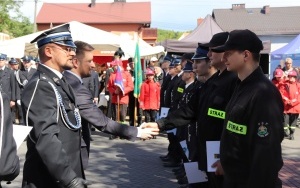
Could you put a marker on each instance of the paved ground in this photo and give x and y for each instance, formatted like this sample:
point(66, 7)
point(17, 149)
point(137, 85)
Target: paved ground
point(124, 164)
point(290, 173)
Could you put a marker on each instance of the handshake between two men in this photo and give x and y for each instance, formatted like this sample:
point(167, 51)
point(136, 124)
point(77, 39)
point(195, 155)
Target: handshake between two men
point(147, 130)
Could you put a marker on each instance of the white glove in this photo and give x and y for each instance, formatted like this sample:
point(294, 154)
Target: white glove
point(19, 102)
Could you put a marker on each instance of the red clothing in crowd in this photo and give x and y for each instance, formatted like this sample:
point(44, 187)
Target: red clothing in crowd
point(291, 97)
point(278, 83)
point(150, 95)
point(128, 86)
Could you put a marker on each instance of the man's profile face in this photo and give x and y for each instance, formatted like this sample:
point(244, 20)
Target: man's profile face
point(14, 66)
point(234, 60)
point(201, 67)
point(215, 58)
point(27, 64)
point(2, 63)
point(86, 64)
point(63, 56)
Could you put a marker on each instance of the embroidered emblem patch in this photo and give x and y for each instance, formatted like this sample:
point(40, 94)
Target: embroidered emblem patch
point(262, 130)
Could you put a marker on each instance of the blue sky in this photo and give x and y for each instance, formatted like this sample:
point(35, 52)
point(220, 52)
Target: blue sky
point(178, 15)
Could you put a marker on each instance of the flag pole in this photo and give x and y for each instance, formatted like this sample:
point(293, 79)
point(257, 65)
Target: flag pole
point(135, 112)
point(137, 74)
point(118, 108)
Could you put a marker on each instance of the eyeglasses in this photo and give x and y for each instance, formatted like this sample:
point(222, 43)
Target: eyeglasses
point(66, 49)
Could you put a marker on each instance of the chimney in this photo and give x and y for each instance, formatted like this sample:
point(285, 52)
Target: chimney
point(266, 9)
point(238, 6)
point(199, 21)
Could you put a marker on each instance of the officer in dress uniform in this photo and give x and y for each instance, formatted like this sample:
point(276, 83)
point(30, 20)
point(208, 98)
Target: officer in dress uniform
point(14, 66)
point(53, 156)
point(9, 161)
point(7, 80)
point(26, 71)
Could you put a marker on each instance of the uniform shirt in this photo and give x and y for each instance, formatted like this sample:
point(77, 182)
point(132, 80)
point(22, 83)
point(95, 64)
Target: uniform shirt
point(250, 147)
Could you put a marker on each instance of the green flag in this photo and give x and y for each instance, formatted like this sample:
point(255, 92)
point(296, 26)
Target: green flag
point(138, 80)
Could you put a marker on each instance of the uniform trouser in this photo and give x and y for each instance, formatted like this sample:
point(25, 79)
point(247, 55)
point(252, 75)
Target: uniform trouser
point(122, 111)
point(192, 143)
point(14, 113)
point(133, 102)
point(290, 121)
point(173, 147)
point(150, 115)
point(20, 114)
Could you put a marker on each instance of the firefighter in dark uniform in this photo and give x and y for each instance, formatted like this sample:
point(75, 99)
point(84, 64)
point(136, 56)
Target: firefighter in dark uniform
point(165, 100)
point(172, 96)
point(53, 156)
point(26, 71)
point(211, 99)
point(9, 161)
point(7, 80)
point(22, 77)
point(190, 89)
point(14, 66)
point(253, 128)
point(187, 132)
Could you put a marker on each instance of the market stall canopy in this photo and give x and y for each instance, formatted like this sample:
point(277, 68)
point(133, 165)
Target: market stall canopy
point(204, 31)
point(104, 42)
point(202, 34)
point(292, 50)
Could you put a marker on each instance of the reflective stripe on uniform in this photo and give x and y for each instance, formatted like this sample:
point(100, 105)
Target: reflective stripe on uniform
point(237, 128)
point(216, 113)
point(180, 90)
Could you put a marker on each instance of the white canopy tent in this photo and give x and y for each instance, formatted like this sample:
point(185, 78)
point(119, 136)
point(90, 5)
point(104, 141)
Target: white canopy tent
point(101, 40)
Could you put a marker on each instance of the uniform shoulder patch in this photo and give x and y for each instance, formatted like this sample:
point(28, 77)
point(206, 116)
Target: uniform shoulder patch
point(262, 129)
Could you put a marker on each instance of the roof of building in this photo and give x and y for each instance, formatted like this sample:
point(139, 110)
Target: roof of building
point(263, 21)
point(107, 13)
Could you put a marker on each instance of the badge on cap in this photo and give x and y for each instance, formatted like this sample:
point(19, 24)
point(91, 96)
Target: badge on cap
point(262, 130)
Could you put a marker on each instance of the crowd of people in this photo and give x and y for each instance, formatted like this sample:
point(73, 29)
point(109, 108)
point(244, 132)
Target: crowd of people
point(286, 80)
point(219, 93)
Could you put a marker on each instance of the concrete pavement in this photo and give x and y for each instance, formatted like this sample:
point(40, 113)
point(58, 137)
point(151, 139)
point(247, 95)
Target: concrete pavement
point(123, 164)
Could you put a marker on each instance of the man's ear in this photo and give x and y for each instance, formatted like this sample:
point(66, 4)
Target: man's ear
point(48, 51)
point(75, 62)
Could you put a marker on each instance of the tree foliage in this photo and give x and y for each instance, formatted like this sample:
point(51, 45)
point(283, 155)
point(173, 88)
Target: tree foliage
point(12, 20)
point(167, 34)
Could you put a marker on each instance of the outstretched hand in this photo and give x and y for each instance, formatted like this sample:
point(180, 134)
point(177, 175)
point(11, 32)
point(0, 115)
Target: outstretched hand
point(148, 133)
point(149, 125)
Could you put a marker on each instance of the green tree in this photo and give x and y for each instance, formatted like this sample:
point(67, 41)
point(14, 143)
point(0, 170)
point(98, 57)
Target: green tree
point(167, 34)
point(12, 20)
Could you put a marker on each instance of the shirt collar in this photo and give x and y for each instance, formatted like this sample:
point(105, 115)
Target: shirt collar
point(180, 73)
point(187, 85)
point(58, 74)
